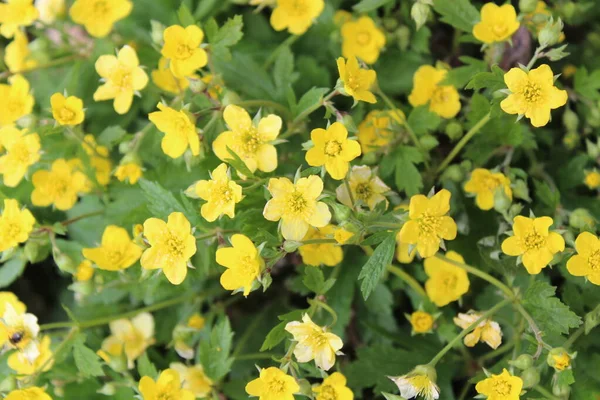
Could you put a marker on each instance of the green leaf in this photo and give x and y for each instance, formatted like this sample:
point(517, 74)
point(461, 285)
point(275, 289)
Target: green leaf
point(111, 136)
point(586, 84)
point(185, 16)
point(239, 164)
point(461, 14)
point(315, 281)
point(278, 333)
point(311, 100)
point(214, 353)
point(459, 77)
point(145, 367)
point(162, 202)
point(408, 177)
point(283, 68)
point(12, 269)
point(372, 271)
point(564, 378)
point(551, 314)
point(488, 80)
point(86, 360)
point(227, 36)
point(423, 121)
point(546, 195)
point(366, 6)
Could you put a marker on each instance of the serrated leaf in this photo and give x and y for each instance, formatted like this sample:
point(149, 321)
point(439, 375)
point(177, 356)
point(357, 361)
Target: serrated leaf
point(162, 202)
point(314, 280)
point(283, 68)
point(145, 367)
point(372, 271)
point(230, 33)
point(311, 100)
point(111, 136)
point(488, 80)
point(408, 177)
point(586, 84)
point(185, 16)
point(459, 77)
point(86, 360)
point(213, 354)
point(461, 14)
point(551, 314)
point(366, 6)
point(423, 121)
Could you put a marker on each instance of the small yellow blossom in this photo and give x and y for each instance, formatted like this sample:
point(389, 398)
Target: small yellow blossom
point(167, 386)
point(533, 242)
point(428, 223)
point(419, 382)
point(196, 321)
point(427, 89)
point(378, 128)
point(182, 49)
point(333, 149)
point(243, 262)
point(99, 16)
point(366, 188)
point(84, 271)
point(592, 179)
point(13, 300)
point(123, 77)
point(587, 260)
point(179, 129)
point(253, 144)
point(15, 14)
point(314, 343)
point(421, 322)
point(99, 159)
point(296, 15)
point(213, 89)
point(132, 337)
point(356, 82)
point(15, 99)
point(130, 172)
point(487, 331)
point(17, 55)
point(296, 206)
point(193, 379)
point(117, 251)
point(111, 351)
point(533, 94)
point(315, 254)
point(165, 80)
point(362, 39)
point(333, 388)
point(171, 246)
point(22, 151)
point(19, 331)
point(67, 111)
point(31, 393)
point(447, 282)
point(498, 23)
point(484, 184)
point(15, 227)
point(59, 187)
point(50, 10)
point(23, 366)
point(404, 254)
point(559, 359)
point(501, 387)
point(220, 192)
point(273, 384)
point(341, 235)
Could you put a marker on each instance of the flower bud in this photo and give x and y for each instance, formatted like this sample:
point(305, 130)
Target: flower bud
point(454, 130)
point(561, 390)
point(420, 13)
point(403, 37)
point(340, 211)
point(593, 149)
point(550, 34)
point(157, 30)
point(581, 219)
point(570, 120)
point(559, 359)
point(31, 251)
point(527, 6)
point(524, 361)
point(291, 246)
point(530, 377)
point(108, 389)
point(65, 263)
point(428, 142)
point(454, 173)
point(230, 97)
point(501, 200)
point(570, 140)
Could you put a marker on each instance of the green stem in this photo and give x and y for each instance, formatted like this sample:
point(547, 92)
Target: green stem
point(83, 216)
point(389, 225)
point(326, 307)
point(544, 392)
point(574, 337)
point(409, 280)
point(61, 347)
point(536, 56)
point(534, 328)
point(273, 56)
point(318, 241)
point(472, 132)
point(498, 352)
point(350, 195)
point(254, 356)
point(50, 64)
point(467, 330)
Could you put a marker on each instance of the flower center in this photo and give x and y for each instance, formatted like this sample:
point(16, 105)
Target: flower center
point(249, 267)
point(428, 224)
point(422, 322)
point(115, 256)
point(20, 153)
point(363, 38)
point(297, 8)
point(317, 339)
point(122, 79)
point(15, 107)
point(183, 51)
point(166, 395)
point(594, 260)
point(12, 229)
point(175, 246)
point(449, 281)
point(333, 148)
point(296, 203)
point(534, 241)
point(276, 386)
point(502, 387)
point(363, 191)
point(224, 194)
point(327, 393)
point(18, 336)
point(532, 92)
point(500, 30)
point(61, 187)
point(100, 8)
point(440, 95)
point(250, 141)
point(66, 114)
point(353, 82)
point(491, 183)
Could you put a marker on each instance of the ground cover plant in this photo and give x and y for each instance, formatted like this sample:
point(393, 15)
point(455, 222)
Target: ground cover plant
point(286, 199)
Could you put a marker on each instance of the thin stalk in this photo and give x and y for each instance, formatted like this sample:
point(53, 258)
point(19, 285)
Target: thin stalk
point(80, 217)
point(50, 64)
point(498, 352)
point(574, 337)
point(254, 356)
point(350, 195)
point(318, 241)
point(326, 307)
point(534, 328)
point(293, 125)
point(544, 392)
point(409, 280)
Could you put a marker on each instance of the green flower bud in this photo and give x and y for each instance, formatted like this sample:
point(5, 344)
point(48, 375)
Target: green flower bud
point(570, 140)
point(551, 33)
point(454, 173)
point(562, 391)
point(230, 97)
point(527, 6)
point(390, 23)
point(31, 251)
point(559, 359)
point(420, 13)
point(403, 37)
point(428, 142)
point(524, 361)
point(340, 211)
point(501, 200)
point(65, 263)
point(157, 30)
point(454, 130)
point(581, 219)
point(570, 120)
point(530, 377)
point(291, 246)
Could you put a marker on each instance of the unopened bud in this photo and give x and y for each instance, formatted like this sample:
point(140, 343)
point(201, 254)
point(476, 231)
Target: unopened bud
point(550, 34)
point(157, 30)
point(428, 142)
point(454, 173)
point(454, 130)
point(524, 361)
point(530, 377)
point(403, 37)
point(31, 251)
point(582, 219)
point(570, 120)
point(291, 246)
point(527, 6)
point(65, 263)
point(197, 85)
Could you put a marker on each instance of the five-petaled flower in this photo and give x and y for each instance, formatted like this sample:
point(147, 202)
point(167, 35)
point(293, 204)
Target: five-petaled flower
point(356, 82)
point(220, 192)
point(427, 89)
point(30, 393)
point(67, 111)
point(296, 15)
point(587, 260)
point(117, 251)
point(315, 254)
point(498, 23)
point(484, 184)
point(15, 225)
point(19, 331)
point(296, 206)
point(167, 386)
point(59, 186)
point(43, 362)
point(15, 99)
point(273, 384)
point(533, 242)
point(182, 49)
point(193, 379)
point(99, 16)
point(421, 322)
point(333, 388)
point(378, 129)
point(533, 94)
point(501, 387)
point(243, 262)
point(447, 282)
point(362, 39)
point(592, 179)
point(15, 14)
point(129, 171)
point(333, 149)
point(179, 129)
point(365, 187)
point(22, 151)
point(487, 331)
point(129, 338)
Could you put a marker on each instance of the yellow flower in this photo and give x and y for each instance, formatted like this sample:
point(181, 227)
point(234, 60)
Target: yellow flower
point(421, 321)
point(341, 235)
point(484, 184)
point(130, 172)
point(19, 331)
point(498, 23)
point(171, 246)
point(273, 384)
point(165, 80)
point(99, 16)
point(182, 49)
point(533, 94)
point(365, 186)
point(193, 379)
point(22, 151)
point(356, 82)
point(111, 351)
point(253, 144)
point(428, 224)
point(167, 386)
point(22, 366)
point(487, 331)
point(340, 17)
point(443, 99)
point(362, 39)
point(196, 321)
point(179, 129)
point(99, 159)
point(533, 242)
point(15, 14)
point(333, 388)
point(314, 343)
point(84, 271)
point(17, 55)
point(243, 262)
point(447, 282)
point(296, 15)
point(59, 187)
point(117, 251)
point(419, 382)
point(587, 260)
point(15, 227)
point(378, 128)
point(560, 359)
point(501, 387)
point(404, 255)
point(297, 206)
point(31, 393)
point(13, 300)
point(333, 149)
point(50, 10)
point(132, 337)
point(67, 111)
point(15, 99)
point(592, 179)
point(213, 89)
point(321, 253)
point(123, 78)
point(220, 192)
